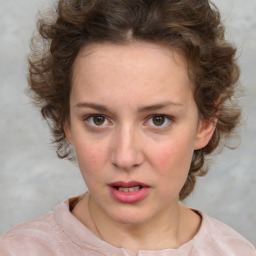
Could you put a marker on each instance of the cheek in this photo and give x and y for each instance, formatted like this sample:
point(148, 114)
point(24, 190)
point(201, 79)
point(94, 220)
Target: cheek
point(91, 156)
point(173, 156)
point(90, 161)
point(164, 157)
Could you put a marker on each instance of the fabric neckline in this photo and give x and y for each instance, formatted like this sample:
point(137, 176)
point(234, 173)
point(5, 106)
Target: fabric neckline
point(78, 233)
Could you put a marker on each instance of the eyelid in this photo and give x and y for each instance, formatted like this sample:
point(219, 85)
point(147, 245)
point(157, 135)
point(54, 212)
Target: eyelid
point(169, 118)
point(87, 117)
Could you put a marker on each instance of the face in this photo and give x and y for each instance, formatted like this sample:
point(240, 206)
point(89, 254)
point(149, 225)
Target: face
point(134, 125)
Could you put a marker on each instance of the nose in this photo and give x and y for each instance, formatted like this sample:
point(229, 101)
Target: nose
point(127, 149)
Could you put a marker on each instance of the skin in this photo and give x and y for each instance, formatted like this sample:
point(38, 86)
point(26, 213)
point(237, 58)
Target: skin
point(126, 85)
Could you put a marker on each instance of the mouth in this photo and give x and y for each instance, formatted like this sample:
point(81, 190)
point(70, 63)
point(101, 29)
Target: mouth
point(129, 192)
point(131, 189)
point(131, 186)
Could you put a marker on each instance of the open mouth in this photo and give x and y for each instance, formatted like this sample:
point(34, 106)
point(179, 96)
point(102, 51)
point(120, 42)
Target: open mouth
point(129, 192)
point(131, 189)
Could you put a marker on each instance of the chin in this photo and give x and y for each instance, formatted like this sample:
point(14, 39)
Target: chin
point(131, 215)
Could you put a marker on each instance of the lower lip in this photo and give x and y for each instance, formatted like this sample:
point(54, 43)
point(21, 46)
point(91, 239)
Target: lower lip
point(129, 197)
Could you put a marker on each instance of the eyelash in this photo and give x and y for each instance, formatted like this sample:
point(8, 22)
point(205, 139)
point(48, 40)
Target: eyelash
point(169, 119)
point(87, 118)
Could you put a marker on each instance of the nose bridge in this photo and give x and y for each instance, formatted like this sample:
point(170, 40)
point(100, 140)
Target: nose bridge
point(126, 151)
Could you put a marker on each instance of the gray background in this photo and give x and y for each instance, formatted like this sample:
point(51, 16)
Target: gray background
point(33, 179)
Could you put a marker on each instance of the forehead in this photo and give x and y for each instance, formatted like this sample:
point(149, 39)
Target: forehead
point(135, 68)
point(123, 55)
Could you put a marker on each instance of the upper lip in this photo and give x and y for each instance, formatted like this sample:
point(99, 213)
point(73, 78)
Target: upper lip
point(128, 184)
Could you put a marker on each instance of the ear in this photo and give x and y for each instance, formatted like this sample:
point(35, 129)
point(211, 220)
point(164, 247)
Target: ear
point(68, 133)
point(206, 128)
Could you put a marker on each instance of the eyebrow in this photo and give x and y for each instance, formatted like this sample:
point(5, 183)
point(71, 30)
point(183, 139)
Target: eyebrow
point(160, 106)
point(92, 105)
point(149, 108)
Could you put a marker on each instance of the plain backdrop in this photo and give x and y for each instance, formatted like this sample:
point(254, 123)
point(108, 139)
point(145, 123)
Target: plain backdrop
point(33, 179)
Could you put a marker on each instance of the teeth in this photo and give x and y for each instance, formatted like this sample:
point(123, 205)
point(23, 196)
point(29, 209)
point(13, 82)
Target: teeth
point(132, 189)
point(123, 189)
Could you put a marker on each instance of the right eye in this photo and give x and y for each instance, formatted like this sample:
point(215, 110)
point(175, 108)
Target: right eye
point(97, 120)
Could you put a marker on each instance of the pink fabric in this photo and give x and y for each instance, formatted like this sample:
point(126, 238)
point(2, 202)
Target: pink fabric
point(59, 233)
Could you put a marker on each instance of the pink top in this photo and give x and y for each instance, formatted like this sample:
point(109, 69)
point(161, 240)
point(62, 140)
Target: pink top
point(59, 233)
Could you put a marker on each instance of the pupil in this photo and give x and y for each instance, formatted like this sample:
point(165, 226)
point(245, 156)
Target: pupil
point(158, 120)
point(98, 120)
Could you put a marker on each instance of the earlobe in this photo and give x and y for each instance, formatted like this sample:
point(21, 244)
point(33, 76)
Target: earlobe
point(68, 133)
point(205, 131)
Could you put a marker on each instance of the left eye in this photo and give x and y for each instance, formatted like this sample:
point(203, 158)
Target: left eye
point(159, 121)
point(97, 120)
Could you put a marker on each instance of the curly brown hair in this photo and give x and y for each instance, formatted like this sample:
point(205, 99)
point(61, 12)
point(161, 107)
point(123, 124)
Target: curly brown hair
point(191, 27)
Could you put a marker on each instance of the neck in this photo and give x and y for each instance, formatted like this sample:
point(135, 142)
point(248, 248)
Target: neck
point(161, 232)
point(170, 229)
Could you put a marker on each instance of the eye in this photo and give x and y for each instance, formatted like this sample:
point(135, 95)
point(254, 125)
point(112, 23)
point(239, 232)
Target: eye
point(97, 120)
point(161, 121)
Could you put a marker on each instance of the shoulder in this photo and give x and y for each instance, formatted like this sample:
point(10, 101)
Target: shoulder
point(41, 236)
point(30, 238)
point(224, 239)
point(56, 233)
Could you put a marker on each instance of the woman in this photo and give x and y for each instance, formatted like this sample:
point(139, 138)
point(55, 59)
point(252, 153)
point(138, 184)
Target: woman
point(141, 91)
